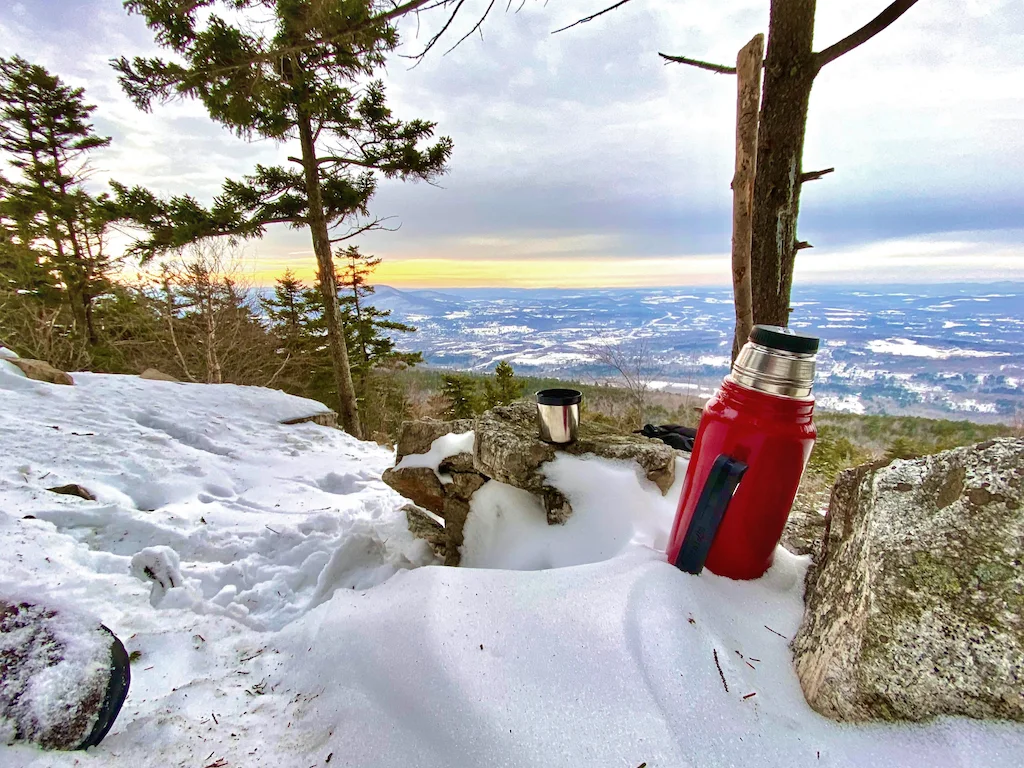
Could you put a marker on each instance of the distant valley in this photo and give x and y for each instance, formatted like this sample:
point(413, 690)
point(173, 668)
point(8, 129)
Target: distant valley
point(955, 351)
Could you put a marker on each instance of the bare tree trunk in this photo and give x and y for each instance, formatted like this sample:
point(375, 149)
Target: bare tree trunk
point(748, 96)
point(349, 410)
point(213, 370)
point(790, 68)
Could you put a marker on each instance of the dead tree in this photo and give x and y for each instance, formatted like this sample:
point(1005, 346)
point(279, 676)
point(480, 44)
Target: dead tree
point(790, 68)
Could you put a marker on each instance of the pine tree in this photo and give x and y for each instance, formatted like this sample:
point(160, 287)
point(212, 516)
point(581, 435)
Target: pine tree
point(298, 70)
point(286, 313)
point(367, 329)
point(46, 133)
point(461, 393)
point(504, 388)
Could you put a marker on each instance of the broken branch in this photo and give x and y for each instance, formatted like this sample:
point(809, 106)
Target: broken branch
point(719, 68)
point(814, 175)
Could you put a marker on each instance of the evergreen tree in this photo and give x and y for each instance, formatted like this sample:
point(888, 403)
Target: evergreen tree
point(463, 399)
point(504, 388)
point(46, 134)
point(367, 329)
point(286, 313)
point(295, 69)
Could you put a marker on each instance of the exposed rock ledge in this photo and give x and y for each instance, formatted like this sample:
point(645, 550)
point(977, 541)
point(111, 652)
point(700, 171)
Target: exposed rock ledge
point(507, 448)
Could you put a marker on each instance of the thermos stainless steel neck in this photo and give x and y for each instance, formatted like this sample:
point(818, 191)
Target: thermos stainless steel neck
point(776, 361)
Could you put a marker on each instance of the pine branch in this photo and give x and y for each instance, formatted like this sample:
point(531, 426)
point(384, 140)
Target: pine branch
point(865, 33)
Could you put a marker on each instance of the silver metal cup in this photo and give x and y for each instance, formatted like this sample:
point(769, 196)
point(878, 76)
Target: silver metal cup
point(558, 415)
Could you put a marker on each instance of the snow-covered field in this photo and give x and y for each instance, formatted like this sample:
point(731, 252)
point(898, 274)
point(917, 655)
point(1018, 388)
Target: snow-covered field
point(307, 629)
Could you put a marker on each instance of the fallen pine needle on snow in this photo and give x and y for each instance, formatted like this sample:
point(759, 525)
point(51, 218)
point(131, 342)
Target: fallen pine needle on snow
point(775, 633)
point(720, 673)
point(750, 695)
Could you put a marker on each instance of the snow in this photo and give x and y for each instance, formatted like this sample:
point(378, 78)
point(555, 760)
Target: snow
point(296, 626)
point(442, 448)
point(911, 348)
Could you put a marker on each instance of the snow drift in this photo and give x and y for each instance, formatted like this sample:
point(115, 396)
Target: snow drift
point(296, 626)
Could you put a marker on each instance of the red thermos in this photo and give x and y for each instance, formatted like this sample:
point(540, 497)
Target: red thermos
point(752, 446)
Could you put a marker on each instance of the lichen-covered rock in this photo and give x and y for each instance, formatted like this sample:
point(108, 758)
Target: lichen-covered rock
point(915, 606)
point(418, 484)
point(40, 370)
point(417, 436)
point(63, 676)
point(423, 526)
point(155, 374)
point(326, 418)
point(803, 531)
point(509, 449)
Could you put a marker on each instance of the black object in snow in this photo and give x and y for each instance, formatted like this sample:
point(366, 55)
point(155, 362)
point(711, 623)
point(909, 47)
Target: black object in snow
point(671, 434)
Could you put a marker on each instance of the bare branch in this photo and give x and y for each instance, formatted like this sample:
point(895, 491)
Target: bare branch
point(474, 29)
point(814, 175)
point(801, 244)
point(278, 371)
point(592, 16)
point(865, 33)
point(719, 68)
point(376, 224)
point(433, 40)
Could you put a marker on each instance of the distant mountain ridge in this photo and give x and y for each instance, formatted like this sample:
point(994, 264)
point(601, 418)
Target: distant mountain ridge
point(939, 350)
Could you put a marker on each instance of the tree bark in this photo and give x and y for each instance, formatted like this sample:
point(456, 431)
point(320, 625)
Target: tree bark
point(748, 96)
point(349, 409)
point(789, 74)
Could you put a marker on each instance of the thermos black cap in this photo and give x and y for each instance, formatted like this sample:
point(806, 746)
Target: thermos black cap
point(784, 339)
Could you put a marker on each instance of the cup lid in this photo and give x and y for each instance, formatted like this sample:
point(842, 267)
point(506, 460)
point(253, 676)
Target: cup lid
point(559, 397)
point(784, 339)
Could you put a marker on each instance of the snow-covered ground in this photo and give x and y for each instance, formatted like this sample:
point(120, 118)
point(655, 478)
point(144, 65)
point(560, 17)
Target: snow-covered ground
point(306, 630)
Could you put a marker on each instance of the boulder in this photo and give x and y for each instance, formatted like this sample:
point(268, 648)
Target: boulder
point(803, 531)
point(508, 449)
point(423, 526)
point(63, 676)
point(40, 370)
point(915, 605)
point(323, 418)
point(418, 484)
point(153, 374)
point(73, 489)
point(417, 436)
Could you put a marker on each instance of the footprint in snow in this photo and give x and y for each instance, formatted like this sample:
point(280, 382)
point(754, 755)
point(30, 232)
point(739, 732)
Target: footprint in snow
point(344, 484)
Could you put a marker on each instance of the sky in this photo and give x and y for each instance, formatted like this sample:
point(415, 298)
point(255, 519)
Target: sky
point(582, 160)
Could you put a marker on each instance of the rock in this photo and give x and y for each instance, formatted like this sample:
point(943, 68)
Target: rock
point(508, 449)
point(63, 676)
point(915, 606)
point(425, 527)
point(153, 374)
point(40, 370)
point(418, 484)
point(323, 418)
point(73, 489)
point(803, 531)
point(417, 436)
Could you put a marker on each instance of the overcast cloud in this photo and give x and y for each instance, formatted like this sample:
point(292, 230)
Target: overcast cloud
point(583, 145)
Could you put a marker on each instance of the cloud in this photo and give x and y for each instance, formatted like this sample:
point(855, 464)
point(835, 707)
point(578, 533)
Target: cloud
point(583, 145)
